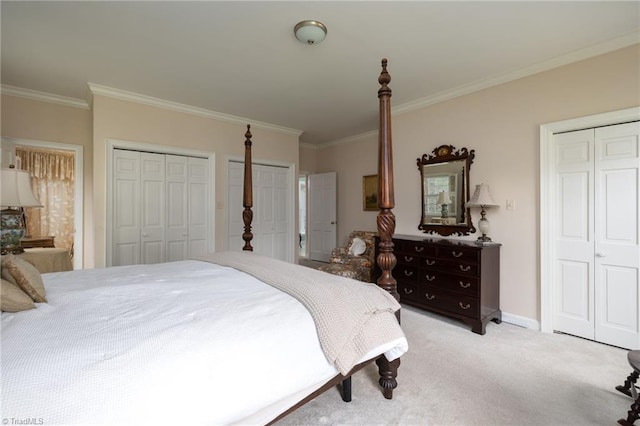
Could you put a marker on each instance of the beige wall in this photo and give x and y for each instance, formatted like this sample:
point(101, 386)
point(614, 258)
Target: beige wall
point(308, 159)
point(502, 125)
point(50, 122)
point(133, 122)
point(110, 118)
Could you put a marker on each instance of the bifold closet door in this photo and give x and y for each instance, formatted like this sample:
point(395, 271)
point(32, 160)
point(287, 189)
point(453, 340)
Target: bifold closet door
point(597, 256)
point(160, 207)
point(271, 210)
point(139, 206)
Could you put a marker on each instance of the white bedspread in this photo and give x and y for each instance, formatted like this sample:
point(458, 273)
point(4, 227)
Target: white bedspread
point(144, 345)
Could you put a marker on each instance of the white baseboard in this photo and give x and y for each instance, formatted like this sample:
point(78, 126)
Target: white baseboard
point(521, 321)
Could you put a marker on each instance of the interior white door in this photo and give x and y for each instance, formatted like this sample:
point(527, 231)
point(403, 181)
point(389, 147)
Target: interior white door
point(322, 215)
point(596, 287)
point(617, 232)
point(126, 213)
point(177, 230)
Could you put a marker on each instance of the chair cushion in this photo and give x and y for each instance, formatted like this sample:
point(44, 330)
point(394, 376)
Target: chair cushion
point(634, 359)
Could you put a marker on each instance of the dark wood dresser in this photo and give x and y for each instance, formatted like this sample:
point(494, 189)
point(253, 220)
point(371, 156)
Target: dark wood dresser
point(456, 278)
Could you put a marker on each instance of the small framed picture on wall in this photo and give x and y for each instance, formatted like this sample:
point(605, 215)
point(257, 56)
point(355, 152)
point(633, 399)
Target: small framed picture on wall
point(370, 193)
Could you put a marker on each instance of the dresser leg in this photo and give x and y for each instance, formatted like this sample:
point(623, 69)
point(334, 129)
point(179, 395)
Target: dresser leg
point(479, 327)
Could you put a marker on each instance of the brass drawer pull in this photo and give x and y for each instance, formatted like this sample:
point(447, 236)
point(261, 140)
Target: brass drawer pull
point(431, 262)
point(467, 306)
point(408, 273)
point(465, 269)
point(429, 297)
point(457, 254)
point(430, 277)
point(418, 249)
point(464, 285)
point(408, 258)
point(408, 291)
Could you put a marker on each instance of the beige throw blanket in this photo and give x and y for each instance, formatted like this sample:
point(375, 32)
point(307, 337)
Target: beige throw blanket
point(351, 317)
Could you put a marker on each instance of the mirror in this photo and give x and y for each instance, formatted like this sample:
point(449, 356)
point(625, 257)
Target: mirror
point(444, 178)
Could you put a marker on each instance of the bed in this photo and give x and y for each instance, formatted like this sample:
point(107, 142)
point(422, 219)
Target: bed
point(230, 338)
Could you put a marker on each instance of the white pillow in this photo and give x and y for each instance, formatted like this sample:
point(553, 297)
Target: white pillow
point(358, 246)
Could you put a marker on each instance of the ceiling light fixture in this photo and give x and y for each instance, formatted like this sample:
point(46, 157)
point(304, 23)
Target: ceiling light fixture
point(310, 32)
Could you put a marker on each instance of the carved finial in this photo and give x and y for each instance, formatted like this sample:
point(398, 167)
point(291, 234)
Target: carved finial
point(248, 134)
point(384, 79)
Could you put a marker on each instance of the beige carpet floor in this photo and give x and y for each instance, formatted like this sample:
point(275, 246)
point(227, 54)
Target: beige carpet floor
point(510, 376)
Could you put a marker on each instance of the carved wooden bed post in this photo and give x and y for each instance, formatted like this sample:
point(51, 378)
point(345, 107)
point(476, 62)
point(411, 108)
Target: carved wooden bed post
point(247, 195)
point(386, 221)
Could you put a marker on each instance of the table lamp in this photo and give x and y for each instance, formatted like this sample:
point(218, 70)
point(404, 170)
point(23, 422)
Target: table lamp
point(482, 198)
point(444, 200)
point(16, 193)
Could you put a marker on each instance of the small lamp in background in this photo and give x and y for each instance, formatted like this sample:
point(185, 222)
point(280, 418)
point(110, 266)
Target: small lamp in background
point(444, 200)
point(16, 193)
point(482, 198)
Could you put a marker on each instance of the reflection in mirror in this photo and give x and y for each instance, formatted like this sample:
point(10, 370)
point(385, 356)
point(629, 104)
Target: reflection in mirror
point(445, 189)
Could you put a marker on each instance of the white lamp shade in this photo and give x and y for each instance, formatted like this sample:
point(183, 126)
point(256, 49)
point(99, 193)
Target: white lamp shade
point(443, 198)
point(310, 32)
point(16, 189)
point(481, 197)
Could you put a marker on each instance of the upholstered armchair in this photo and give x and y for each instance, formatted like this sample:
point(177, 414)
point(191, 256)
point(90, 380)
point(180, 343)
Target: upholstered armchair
point(356, 259)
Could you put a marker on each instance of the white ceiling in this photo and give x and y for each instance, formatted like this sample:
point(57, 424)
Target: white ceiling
point(241, 58)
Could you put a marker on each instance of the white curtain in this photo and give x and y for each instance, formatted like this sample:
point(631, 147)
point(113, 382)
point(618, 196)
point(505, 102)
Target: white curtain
point(52, 181)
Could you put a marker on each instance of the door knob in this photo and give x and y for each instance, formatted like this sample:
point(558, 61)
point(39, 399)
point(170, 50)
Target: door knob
point(601, 254)
point(333, 222)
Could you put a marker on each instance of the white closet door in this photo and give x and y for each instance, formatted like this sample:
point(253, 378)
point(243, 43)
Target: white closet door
point(271, 210)
point(177, 208)
point(235, 182)
point(281, 214)
point(617, 253)
point(322, 215)
point(198, 201)
point(126, 214)
point(597, 234)
point(264, 218)
point(574, 234)
point(153, 207)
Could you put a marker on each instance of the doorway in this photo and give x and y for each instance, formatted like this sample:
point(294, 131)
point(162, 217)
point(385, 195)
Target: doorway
point(589, 248)
point(76, 192)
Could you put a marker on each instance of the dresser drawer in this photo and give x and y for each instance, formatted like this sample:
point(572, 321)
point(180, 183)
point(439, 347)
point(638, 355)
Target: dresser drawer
point(408, 259)
point(461, 254)
point(408, 292)
point(416, 248)
point(450, 302)
point(463, 267)
point(406, 273)
point(467, 285)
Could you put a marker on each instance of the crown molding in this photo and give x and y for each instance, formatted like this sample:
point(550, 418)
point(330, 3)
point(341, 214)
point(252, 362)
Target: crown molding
point(42, 96)
point(309, 145)
point(578, 55)
point(348, 139)
point(97, 89)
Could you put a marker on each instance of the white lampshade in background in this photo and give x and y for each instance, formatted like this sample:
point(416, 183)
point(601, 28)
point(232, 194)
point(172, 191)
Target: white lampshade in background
point(310, 31)
point(16, 193)
point(16, 189)
point(443, 198)
point(482, 198)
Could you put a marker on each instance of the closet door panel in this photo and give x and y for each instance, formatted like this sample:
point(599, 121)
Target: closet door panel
point(177, 233)
point(153, 207)
point(126, 214)
point(198, 201)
